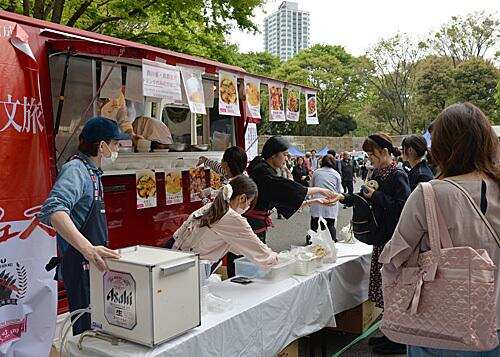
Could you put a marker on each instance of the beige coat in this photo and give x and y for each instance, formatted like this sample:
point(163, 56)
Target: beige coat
point(464, 224)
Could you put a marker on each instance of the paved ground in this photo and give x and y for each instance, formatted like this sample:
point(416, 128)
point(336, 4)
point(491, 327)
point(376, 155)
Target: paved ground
point(293, 232)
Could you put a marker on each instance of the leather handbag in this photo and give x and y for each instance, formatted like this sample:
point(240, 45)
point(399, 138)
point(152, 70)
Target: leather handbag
point(445, 297)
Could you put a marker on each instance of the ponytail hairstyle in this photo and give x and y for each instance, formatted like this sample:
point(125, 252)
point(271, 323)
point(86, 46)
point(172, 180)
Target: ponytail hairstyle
point(239, 185)
point(417, 143)
point(380, 141)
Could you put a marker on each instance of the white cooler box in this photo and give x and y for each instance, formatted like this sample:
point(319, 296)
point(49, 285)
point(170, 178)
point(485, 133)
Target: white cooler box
point(148, 296)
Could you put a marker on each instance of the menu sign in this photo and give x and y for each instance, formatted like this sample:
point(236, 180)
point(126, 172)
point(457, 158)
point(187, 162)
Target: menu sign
point(197, 183)
point(276, 107)
point(311, 108)
point(160, 80)
point(173, 187)
point(146, 189)
point(293, 104)
point(252, 95)
point(193, 86)
point(228, 94)
point(251, 141)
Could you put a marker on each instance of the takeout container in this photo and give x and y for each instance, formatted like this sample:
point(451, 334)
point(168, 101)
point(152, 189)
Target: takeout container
point(143, 145)
point(281, 271)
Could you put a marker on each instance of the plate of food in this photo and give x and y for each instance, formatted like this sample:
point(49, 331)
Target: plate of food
point(173, 182)
point(146, 186)
point(253, 94)
point(276, 98)
point(293, 101)
point(228, 90)
point(197, 180)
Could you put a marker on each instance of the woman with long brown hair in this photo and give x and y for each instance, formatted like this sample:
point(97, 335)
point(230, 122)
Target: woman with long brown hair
point(219, 227)
point(386, 203)
point(465, 150)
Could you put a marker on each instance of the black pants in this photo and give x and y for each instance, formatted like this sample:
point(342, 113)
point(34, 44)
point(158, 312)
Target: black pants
point(348, 187)
point(330, 223)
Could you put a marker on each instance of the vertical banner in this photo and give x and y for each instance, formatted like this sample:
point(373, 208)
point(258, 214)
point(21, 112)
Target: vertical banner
point(252, 94)
point(160, 80)
point(193, 86)
point(228, 94)
point(311, 108)
point(28, 293)
point(251, 141)
point(276, 110)
point(293, 104)
point(173, 187)
point(197, 183)
point(146, 189)
point(215, 183)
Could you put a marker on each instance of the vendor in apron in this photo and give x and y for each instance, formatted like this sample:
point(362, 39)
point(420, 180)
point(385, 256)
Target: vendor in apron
point(75, 208)
point(287, 196)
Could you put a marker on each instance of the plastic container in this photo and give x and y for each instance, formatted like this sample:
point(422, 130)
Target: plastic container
point(282, 271)
point(245, 268)
point(307, 267)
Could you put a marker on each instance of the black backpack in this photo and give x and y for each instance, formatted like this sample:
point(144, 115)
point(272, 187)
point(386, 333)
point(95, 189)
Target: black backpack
point(364, 224)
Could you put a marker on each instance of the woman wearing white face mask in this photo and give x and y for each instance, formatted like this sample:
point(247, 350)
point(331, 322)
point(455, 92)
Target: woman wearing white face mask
point(75, 208)
point(219, 227)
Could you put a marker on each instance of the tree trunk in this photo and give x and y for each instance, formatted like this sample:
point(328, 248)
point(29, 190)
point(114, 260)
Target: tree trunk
point(38, 9)
point(26, 7)
point(78, 13)
point(57, 11)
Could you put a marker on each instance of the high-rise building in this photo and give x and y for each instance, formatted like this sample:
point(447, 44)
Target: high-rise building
point(286, 31)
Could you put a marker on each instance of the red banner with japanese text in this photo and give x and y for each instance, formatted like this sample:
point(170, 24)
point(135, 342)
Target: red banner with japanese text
point(28, 293)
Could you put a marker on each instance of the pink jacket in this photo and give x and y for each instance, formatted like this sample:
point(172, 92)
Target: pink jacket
point(231, 233)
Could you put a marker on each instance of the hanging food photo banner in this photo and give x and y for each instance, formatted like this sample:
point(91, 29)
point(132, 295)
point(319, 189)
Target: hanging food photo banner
point(293, 104)
point(194, 89)
point(311, 108)
point(252, 94)
point(276, 107)
point(215, 183)
point(228, 94)
point(146, 189)
point(197, 183)
point(251, 141)
point(160, 80)
point(173, 187)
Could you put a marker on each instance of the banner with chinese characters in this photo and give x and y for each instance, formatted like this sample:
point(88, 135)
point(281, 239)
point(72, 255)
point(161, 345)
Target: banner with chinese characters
point(293, 104)
point(28, 293)
point(252, 95)
point(311, 108)
point(228, 94)
point(193, 86)
point(173, 187)
point(251, 141)
point(159, 80)
point(276, 109)
point(197, 183)
point(146, 189)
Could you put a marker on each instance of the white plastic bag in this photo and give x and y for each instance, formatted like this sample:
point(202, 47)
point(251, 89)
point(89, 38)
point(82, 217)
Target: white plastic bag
point(324, 239)
point(347, 234)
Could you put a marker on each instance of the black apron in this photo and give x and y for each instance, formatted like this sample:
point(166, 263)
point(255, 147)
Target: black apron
point(74, 267)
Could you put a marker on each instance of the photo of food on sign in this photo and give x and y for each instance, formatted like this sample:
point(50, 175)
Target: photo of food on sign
point(194, 90)
point(253, 94)
point(146, 186)
point(227, 90)
point(293, 101)
point(276, 94)
point(173, 182)
point(311, 105)
point(197, 180)
point(215, 180)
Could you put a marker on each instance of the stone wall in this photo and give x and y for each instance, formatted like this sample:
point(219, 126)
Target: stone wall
point(307, 143)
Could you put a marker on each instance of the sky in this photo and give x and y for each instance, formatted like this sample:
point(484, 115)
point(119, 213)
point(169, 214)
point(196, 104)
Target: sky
point(358, 25)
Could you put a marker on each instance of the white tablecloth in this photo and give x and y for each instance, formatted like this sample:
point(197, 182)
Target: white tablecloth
point(265, 317)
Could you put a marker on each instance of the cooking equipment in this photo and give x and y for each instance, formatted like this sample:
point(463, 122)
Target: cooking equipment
point(177, 147)
point(200, 147)
point(148, 296)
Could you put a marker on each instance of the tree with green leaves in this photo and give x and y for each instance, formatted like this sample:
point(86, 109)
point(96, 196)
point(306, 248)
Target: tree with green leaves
point(466, 37)
point(198, 27)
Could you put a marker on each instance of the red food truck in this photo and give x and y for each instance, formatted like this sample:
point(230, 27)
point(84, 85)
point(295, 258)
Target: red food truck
point(53, 79)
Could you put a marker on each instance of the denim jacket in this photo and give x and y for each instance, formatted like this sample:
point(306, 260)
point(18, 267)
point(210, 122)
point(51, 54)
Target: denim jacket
point(73, 193)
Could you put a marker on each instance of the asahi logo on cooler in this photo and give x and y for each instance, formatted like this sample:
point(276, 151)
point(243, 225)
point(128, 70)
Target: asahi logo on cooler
point(119, 292)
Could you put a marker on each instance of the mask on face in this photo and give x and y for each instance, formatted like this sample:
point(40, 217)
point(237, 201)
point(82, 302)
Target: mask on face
point(243, 210)
point(112, 156)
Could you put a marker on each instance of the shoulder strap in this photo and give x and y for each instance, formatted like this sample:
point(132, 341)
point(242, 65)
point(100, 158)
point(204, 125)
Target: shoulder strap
point(478, 210)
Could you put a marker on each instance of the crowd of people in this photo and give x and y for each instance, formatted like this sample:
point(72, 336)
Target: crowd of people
point(464, 156)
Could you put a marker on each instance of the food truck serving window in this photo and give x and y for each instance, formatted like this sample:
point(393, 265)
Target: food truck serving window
point(120, 98)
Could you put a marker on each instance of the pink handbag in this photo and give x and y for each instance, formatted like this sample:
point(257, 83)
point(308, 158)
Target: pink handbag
point(444, 298)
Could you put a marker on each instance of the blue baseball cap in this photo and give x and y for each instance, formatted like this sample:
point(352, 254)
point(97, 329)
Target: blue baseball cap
point(102, 129)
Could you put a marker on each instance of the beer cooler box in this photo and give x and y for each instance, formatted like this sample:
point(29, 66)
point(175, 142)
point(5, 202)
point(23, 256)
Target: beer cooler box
point(148, 296)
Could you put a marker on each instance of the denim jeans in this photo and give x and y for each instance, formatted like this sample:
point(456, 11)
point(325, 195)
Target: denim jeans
point(416, 351)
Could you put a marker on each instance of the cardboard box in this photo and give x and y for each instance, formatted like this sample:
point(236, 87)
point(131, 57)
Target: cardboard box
point(292, 350)
point(357, 319)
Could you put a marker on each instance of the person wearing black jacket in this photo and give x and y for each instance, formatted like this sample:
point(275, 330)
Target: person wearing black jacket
point(414, 150)
point(300, 173)
point(347, 173)
point(387, 203)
